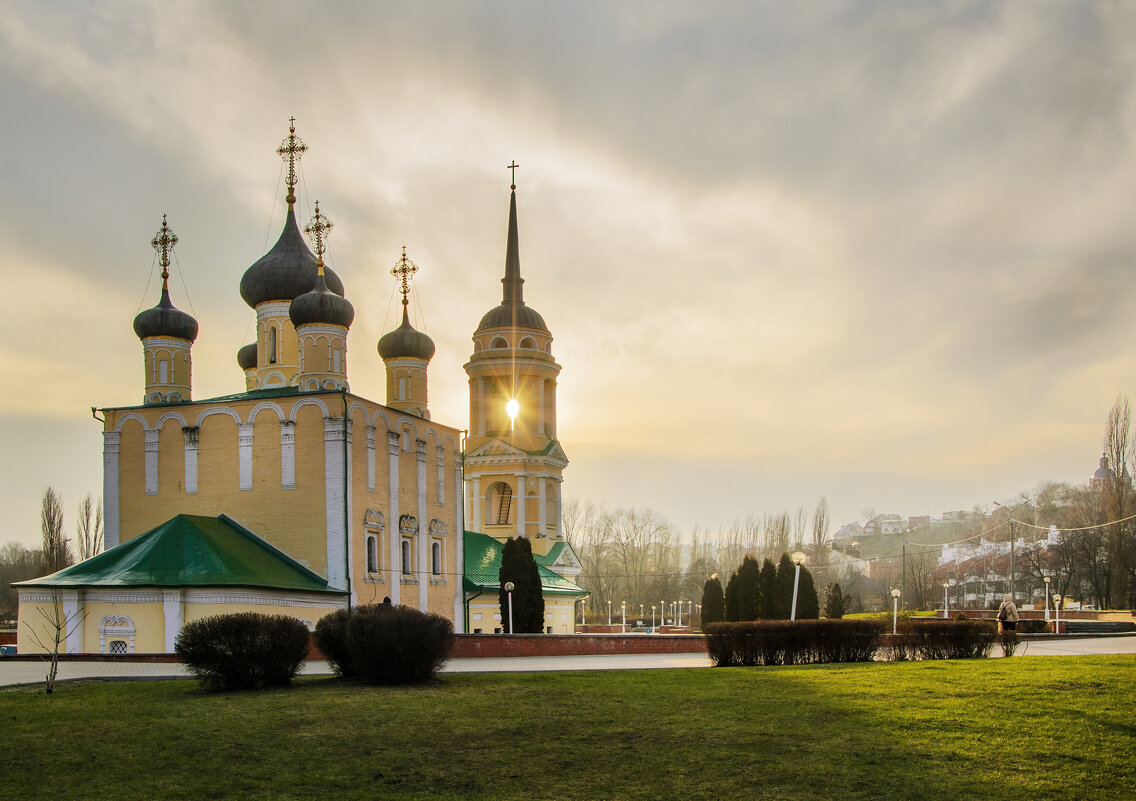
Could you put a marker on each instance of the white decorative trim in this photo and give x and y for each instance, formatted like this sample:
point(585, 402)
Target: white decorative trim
point(334, 439)
point(191, 434)
point(392, 506)
point(288, 454)
point(370, 458)
point(244, 454)
point(126, 418)
point(73, 619)
point(118, 627)
point(262, 598)
point(217, 410)
point(151, 462)
point(423, 551)
point(307, 402)
point(174, 611)
point(165, 418)
point(260, 407)
point(111, 440)
point(123, 596)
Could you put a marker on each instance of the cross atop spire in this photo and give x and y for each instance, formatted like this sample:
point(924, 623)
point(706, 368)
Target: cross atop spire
point(403, 269)
point(164, 242)
point(291, 149)
point(513, 168)
point(317, 230)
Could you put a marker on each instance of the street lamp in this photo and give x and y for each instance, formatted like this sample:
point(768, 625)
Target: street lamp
point(623, 625)
point(653, 618)
point(609, 612)
point(894, 611)
point(641, 615)
point(1046, 580)
point(509, 590)
point(678, 609)
point(1057, 611)
point(798, 560)
point(946, 600)
point(583, 604)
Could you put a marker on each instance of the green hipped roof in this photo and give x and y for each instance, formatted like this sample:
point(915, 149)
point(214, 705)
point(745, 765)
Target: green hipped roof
point(190, 551)
point(483, 568)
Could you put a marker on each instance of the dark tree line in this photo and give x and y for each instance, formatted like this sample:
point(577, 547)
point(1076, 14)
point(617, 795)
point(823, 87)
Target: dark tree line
point(765, 592)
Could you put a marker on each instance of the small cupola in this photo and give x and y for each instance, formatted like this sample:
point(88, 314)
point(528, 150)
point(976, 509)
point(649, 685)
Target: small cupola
point(167, 335)
point(406, 352)
point(321, 319)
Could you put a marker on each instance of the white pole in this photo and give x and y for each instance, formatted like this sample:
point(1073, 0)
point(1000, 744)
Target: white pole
point(894, 613)
point(652, 617)
point(1047, 618)
point(796, 581)
point(609, 613)
point(946, 601)
point(623, 625)
point(678, 605)
point(510, 611)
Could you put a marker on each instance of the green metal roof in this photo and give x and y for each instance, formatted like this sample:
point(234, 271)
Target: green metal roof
point(483, 568)
point(190, 551)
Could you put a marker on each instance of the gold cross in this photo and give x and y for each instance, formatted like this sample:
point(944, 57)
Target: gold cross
point(318, 230)
point(164, 242)
point(513, 168)
point(291, 149)
point(403, 269)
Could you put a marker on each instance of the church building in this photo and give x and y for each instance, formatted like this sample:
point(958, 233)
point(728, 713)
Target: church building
point(296, 496)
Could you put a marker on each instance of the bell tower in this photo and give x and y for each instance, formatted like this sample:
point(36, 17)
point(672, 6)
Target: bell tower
point(514, 464)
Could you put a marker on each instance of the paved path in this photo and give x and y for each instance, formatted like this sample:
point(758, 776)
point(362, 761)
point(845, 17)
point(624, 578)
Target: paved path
point(13, 672)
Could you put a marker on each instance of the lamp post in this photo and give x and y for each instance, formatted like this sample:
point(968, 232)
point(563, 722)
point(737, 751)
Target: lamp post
point(895, 611)
point(583, 603)
point(623, 625)
point(509, 590)
point(1057, 611)
point(678, 609)
point(946, 600)
point(609, 612)
point(641, 615)
point(798, 560)
point(653, 617)
point(662, 613)
point(1046, 580)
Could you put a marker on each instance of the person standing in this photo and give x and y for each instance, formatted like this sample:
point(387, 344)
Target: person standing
point(1008, 614)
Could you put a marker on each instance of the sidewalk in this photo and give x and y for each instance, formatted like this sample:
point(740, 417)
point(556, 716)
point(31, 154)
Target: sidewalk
point(14, 672)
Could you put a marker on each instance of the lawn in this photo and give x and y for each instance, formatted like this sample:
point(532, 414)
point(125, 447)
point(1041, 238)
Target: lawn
point(1024, 728)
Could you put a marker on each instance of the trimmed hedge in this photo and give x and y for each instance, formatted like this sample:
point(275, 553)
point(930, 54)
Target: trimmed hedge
point(945, 639)
point(243, 651)
point(782, 642)
point(384, 644)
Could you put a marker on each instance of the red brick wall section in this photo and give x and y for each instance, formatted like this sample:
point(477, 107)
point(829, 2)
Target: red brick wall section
point(487, 645)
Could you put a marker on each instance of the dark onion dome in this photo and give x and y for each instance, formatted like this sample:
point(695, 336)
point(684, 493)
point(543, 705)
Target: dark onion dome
point(285, 272)
point(513, 312)
point(165, 321)
point(246, 357)
point(1103, 472)
point(406, 343)
point(321, 305)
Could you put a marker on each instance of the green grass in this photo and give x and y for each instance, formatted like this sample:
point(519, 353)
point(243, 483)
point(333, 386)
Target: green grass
point(1024, 728)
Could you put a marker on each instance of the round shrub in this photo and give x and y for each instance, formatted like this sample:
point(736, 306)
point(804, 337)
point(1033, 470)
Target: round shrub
point(396, 644)
point(243, 651)
point(331, 638)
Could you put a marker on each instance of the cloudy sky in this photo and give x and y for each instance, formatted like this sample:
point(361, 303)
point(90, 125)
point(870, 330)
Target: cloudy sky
point(879, 252)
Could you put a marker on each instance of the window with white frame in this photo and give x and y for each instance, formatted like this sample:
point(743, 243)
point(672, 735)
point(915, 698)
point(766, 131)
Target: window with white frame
point(407, 561)
point(372, 553)
point(436, 557)
point(116, 632)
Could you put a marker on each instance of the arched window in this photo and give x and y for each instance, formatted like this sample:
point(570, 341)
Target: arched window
point(116, 635)
point(436, 558)
point(502, 495)
point(372, 553)
point(163, 371)
point(528, 342)
point(499, 342)
point(406, 571)
point(272, 344)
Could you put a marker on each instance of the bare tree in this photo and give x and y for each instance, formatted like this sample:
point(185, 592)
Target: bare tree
point(59, 625)
point(1116, 498)
point(56, 552)
point(90, 531)
point(820, 529)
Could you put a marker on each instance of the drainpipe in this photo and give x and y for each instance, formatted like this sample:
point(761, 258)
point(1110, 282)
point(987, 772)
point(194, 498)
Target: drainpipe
point(346, 520)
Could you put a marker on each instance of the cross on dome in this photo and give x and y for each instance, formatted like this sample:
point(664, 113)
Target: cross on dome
point(291, 149)
point(403, 269)
point(164, 242)
point(317, 230)
point(513, 168)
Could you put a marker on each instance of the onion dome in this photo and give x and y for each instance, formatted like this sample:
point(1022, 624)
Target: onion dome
point(246, 357)
point(320, 305)
point(513, 312)
point(289, 269)
point(164, 320)
point(406, 343)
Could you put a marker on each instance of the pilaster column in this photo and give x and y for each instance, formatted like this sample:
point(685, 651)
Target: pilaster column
point(72, 603)
point(395, 556)
point(174, 609)
point(370, 458)
point(191, 433)
point(288, 454)
point(477, 503)
point(244, 454)
point(334, 452)
point(459, 548)
point(111, 440)
point(423, 531)
point(542, 502)
point(152, 462)
point(441, 475)
point(522, 512)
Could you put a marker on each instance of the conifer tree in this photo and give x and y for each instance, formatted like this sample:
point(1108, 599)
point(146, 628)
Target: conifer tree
point(833, 602)
point(783, 596)
point(713, 601)
point(733, 591)
point(807, 606)
point(768, 583)
point(749, 589)
point(519, 567)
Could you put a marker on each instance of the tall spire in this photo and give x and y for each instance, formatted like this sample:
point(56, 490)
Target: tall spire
point(513, 293)
point(291, 149)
